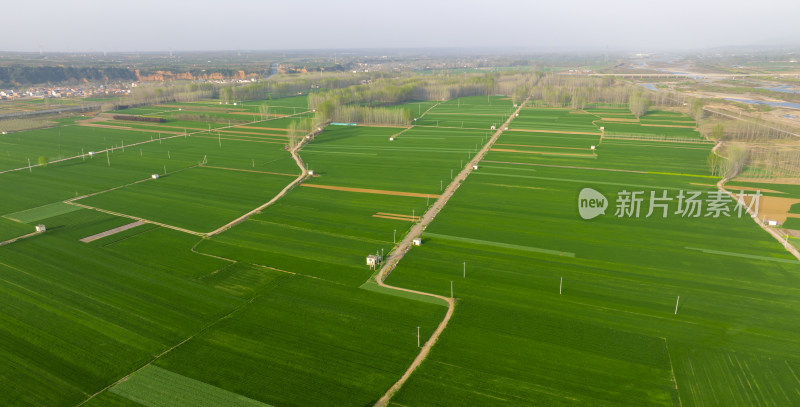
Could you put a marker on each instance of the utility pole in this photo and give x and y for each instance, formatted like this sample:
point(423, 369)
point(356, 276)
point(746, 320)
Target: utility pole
point(394, 236)
point(676, 304)
point(418, 344)
point(465, 269)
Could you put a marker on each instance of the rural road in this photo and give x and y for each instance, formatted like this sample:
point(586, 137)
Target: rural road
point(721, 186)
point(403, 247)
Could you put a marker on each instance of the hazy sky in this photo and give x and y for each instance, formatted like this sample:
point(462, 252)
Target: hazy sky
point(149, 25)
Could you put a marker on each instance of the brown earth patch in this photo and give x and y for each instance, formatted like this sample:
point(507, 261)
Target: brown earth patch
point(669, 125)
point(371, 191)
point(527, 145)
point(558, 132)
point(540, 152)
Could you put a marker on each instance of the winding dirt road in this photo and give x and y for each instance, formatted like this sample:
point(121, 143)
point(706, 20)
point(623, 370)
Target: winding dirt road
point(403, 247)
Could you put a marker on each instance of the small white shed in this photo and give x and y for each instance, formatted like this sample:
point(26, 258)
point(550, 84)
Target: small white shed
point(154, 176)
point(493, 127)
point(417, 241)
point(40, 228)
point(772, 222)
point(474, 167)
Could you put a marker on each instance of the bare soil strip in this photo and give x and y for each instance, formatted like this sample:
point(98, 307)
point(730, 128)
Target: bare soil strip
point(505, 150)
point(654, 140)
point(734, 188)
point(619, 119)
point(122, 215)
point(399, 215)
point(395, 216)
point(782, 181)
point(668, 125)
point(558, 132)
point(243, 170)
point(253, 133)
point(260, 128)
point(108, 126)
point(110, 232)
point(568, 166)
point(240, 139)
point(405, 245)
point(527, 145)
point(371, 191)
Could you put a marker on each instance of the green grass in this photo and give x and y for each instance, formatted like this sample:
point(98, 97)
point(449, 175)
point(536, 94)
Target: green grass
point(199, 199)
point(42, 212)
point(792, 223)
point(309, 342)
point(153, 386)
point(10, 229)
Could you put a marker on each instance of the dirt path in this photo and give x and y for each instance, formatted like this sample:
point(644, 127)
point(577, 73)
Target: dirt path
point(300, 178)
point(403, 247)
point(9, 241)
point(788, 246)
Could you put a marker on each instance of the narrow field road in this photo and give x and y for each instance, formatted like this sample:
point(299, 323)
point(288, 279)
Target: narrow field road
point(402, 248)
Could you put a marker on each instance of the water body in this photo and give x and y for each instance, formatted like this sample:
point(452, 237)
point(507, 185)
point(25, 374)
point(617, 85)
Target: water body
point(781, 88)
point(649, 86)
point(762, 102)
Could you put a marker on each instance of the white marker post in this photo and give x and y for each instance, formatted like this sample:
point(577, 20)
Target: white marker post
point(418, 337)
point(465, 269)
point(29, 165)
point(451, 289)
point(560, 285)
point(108, 158)
point(676, 304)
point(394, 236)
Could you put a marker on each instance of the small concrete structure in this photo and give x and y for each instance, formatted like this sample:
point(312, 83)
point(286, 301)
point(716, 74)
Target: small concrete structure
point(154, 176)
point(772, 222)
point(373, 260)
point(391, 138)
point(310, 172)
point(593, 147)
point(91, 153)
point(506, 128)
point(40, 228)
point(417, 241)
point(474, 167)
point(492, 127)
point(602, 128)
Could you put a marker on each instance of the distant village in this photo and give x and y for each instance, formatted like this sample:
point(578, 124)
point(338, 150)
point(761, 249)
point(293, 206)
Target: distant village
point(63, 92)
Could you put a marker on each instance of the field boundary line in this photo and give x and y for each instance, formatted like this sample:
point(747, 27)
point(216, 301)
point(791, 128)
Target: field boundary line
point(156, 357)
point(243, 170)
point(111, 232)
point(372, 191)
point(405, 245)
point(672, 371)
point(122, 215)
point(9, 241)
point(297, 181)
point(185, 134)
